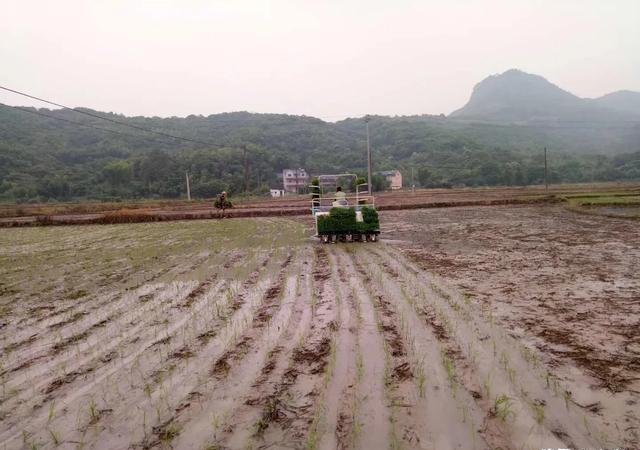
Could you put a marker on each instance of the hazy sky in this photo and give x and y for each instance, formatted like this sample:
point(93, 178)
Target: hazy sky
point(328, 59)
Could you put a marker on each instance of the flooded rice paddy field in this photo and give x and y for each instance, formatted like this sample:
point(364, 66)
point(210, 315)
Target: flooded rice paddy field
point(249, 334)
point(564, 284)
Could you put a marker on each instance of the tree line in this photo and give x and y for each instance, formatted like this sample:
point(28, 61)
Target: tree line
point(44, 159)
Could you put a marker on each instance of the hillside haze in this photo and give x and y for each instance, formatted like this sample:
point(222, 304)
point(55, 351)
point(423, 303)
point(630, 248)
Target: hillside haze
point(623, 101)
point(518, 97)
point(496, 139)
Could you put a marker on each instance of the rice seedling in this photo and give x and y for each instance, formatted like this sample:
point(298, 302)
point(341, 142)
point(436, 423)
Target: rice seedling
point(567, 396)
point(169, 433)
point(487, 385)
point(586, 425)
point(388, 376)
point(503, 407)
point(216, 421)
point(504, 360)
point(144, 422)
point(332, 361)
point(449, 367)
point(52, 411)
point(301, 342)
point(538, 411)
point(395, 443)
point(421, 378)
point(25, 437)
point(359, 364)
point(93, 411)
point(260, 426)
point(55, 437)
point(547, 376)
point(314, 429)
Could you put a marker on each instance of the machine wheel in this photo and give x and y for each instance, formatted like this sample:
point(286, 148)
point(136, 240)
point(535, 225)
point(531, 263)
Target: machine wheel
point(334, 238)
point(324, 238)
point(374, 237)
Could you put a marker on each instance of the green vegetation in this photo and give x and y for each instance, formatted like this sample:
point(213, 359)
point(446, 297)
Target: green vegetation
point(606, 200)
point(43, 159)
point(503, 407)
point(606, 204)
point(343, 220)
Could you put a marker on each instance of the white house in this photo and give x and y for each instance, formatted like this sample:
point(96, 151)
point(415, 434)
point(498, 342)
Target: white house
point(294, 179)
point(277, 192)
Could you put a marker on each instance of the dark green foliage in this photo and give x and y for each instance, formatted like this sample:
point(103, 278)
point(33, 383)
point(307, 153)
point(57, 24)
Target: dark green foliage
point(343, 221)
point(370, 222)
point(325, 225)
point(43, 159)
point(339, 221)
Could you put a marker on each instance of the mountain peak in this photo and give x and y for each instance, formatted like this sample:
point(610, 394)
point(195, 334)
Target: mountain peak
point(515, 96)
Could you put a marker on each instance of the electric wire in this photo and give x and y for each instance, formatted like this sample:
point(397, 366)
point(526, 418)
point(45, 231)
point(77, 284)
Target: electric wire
point(97, 116)
point(62, 119)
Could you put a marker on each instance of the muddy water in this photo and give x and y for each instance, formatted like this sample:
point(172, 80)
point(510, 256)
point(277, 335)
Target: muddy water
point(372, 415)
point(562, 285)
point(337, 428)
point(286, 344)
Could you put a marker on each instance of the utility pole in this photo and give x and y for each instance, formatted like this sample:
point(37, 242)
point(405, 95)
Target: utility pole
point(546, 183)
point(366, 121)
point(186, 174)
point(413, 185)
point(246, 175)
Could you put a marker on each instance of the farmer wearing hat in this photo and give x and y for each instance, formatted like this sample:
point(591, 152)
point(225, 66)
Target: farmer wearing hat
point(222, 202)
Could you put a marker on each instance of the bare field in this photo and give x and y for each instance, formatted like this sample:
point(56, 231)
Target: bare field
point(247, 334)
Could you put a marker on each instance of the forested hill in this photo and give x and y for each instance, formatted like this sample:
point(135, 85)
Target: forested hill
point(518, 97)
point(54, 157)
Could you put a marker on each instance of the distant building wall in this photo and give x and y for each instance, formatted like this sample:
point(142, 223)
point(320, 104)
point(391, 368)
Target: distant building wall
point(294, 179)
point(394, 177)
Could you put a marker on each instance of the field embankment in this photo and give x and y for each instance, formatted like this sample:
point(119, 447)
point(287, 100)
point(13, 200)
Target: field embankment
point(161, 211)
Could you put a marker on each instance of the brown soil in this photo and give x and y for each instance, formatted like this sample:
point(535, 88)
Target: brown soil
point(563, 283)
point(109, 213)
point(436, 338)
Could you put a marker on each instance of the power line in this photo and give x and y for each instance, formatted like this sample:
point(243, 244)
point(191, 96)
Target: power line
point(108, 119)
point(62, 119)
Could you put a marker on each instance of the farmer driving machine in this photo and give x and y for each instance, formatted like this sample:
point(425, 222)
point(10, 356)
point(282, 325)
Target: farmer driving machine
point(339, 217)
